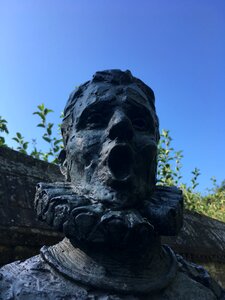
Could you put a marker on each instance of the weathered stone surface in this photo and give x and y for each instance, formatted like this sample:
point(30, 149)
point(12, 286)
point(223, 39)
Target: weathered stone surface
point(37, 277)
point(201, 239)
point(21, 234)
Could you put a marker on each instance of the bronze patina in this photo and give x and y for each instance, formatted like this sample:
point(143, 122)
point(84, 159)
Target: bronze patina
point(109, 207)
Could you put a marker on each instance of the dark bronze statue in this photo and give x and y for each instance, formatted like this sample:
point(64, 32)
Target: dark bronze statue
point(110, 208)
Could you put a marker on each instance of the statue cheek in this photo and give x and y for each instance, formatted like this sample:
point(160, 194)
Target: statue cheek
point(84, 148)
point(146, 149)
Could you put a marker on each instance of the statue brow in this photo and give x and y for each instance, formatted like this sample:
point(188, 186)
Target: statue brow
point(98, 104)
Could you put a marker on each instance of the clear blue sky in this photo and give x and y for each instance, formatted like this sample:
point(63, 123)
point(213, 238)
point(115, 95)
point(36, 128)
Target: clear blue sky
point(175, 46)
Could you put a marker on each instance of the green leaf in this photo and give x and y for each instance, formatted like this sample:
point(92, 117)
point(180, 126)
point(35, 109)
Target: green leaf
point(23, 151)
point(40, 114)
point(46, 111)
point(56, 149)
point(25, 145)
point(56, 142)
point(2, 141)
point(49, 128)
point(49, 131)
point(18, 134)
point(41, 107)
point(47, 139)
point(15, 139)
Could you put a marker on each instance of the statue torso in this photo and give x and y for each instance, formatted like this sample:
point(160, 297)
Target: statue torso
point(37, 279)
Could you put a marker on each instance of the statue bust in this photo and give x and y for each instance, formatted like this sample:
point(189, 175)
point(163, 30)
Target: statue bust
point(109, 207)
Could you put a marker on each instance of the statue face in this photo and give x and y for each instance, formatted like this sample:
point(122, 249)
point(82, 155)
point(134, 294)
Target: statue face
point(110, 133)
point(111, 149)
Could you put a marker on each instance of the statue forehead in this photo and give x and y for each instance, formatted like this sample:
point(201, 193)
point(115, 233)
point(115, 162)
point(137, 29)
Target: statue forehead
point(108, 92)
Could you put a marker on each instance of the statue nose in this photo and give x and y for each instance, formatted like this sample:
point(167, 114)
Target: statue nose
point(120, 127)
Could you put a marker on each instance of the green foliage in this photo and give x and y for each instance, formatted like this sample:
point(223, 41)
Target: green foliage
point(22, 145)
point(169, 173)
point(3, 129)
point(54, 143)
point(212, 205)
point(169, 165)
point(169, 161)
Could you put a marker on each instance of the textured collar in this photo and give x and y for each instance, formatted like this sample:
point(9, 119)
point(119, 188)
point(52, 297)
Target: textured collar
point(107, 273)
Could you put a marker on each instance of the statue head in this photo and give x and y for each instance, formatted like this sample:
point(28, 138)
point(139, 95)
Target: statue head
point(110, 133)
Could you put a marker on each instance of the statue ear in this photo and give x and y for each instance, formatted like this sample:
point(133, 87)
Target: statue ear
point(63, 162)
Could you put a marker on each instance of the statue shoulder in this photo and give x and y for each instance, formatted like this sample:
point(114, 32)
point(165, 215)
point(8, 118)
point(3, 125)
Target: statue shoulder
point(34, 279)
point(199, 278)
point(14, 275)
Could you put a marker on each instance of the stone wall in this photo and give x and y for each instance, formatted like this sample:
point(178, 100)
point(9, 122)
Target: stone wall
point(201, 240)
point(21, 235)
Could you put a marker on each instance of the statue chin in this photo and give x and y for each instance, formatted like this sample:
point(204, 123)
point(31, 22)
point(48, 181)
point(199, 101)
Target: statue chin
point(114, 193)
point(116, 196)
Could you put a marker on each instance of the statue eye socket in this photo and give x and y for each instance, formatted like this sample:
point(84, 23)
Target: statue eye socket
point(94, 119)
point(140, 124)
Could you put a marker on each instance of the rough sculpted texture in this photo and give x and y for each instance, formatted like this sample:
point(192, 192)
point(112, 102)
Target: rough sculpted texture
point(110, 209)
point(84, 220)
point(43, 278)
point(21, 234)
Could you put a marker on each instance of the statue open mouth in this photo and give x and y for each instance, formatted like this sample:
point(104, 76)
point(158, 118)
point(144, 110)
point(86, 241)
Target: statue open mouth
point(120, 161)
